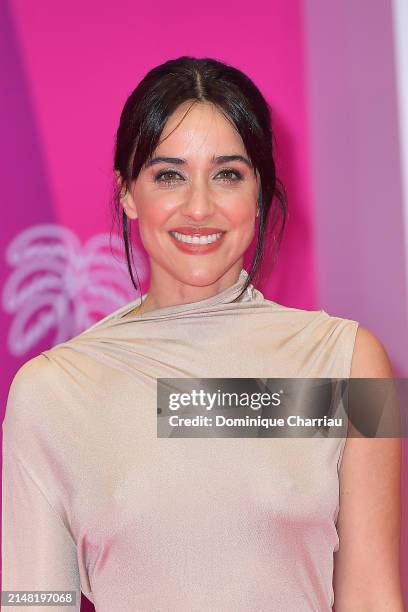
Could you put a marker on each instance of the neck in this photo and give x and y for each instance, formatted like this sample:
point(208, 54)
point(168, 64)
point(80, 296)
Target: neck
point(166, 290)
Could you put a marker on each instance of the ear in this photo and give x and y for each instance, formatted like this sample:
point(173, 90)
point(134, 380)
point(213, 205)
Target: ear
point(126, 198)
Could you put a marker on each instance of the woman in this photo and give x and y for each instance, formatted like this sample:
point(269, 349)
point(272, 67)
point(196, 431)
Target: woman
point(94, 499)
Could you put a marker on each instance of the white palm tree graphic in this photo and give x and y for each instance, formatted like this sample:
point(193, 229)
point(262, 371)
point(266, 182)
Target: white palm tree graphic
point(59, 283)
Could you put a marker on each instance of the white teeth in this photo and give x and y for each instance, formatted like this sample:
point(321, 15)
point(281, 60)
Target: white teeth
point(196, 239)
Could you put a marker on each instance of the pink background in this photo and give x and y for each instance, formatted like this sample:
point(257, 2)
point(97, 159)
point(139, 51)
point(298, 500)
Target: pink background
point(327, 71)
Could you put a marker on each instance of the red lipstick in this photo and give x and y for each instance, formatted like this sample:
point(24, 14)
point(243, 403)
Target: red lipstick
point(196, 232)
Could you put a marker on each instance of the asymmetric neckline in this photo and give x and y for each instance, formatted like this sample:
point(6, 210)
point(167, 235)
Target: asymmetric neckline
point(87, 476)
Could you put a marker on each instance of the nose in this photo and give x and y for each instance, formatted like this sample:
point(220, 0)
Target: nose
point(198, 205)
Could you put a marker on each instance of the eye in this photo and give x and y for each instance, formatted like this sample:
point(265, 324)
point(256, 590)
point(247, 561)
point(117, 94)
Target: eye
point(168, 176)
point(230, 175)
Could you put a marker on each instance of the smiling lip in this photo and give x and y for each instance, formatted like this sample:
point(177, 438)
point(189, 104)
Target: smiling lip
point(196, 231)
point(197, 249)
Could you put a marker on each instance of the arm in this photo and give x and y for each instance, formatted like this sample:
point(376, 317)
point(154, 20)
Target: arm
point(367, 564)
point(38, 551)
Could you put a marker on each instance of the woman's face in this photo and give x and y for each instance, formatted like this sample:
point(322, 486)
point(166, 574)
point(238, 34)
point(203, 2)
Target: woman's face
point(196, 190)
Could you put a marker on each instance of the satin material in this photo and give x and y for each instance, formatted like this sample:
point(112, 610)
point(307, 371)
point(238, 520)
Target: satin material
point(93, 500)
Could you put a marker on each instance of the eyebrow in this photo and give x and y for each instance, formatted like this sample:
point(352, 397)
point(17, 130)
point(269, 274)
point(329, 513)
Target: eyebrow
point(220, 159)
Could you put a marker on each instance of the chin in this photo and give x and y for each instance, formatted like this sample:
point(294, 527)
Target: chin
point(199, 278)
point(202, 275)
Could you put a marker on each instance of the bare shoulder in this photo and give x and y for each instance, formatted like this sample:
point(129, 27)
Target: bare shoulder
point(366, 568)
point(370, 359)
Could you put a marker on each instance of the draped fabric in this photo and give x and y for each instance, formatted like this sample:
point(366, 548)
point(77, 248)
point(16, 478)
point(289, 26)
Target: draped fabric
point(93, 500)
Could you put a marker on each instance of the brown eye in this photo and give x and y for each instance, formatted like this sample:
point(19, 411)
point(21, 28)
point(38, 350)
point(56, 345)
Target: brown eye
point(230, 175)
point(166, 176)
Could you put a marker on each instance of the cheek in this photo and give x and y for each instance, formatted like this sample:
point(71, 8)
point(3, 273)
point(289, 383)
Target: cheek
point(242, 216)
point(241, 211)
point(153, 214)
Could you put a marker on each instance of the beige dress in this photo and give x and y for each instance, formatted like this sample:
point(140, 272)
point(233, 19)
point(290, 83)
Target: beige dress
point(93, 500)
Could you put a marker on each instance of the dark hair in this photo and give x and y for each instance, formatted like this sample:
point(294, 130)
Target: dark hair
point(159, 94)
